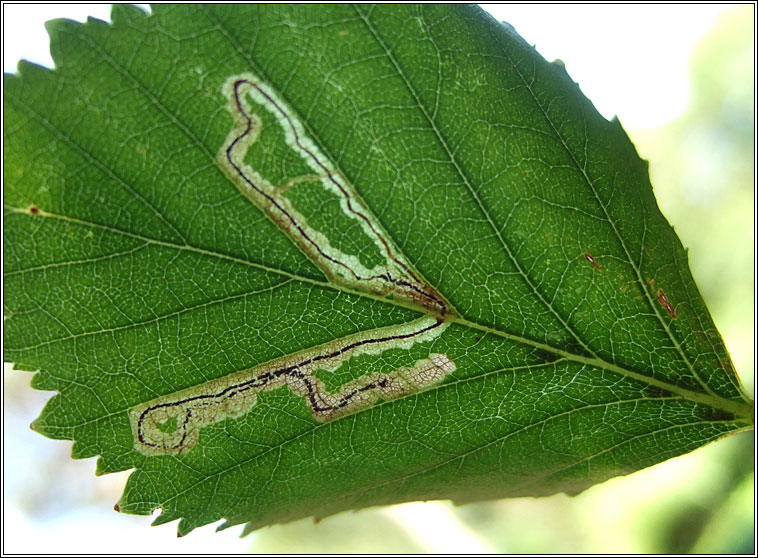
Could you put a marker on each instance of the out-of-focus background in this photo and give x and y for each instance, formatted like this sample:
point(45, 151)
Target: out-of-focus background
point(681, 80)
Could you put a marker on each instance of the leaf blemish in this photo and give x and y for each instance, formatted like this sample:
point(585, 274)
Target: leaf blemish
point(34, 210)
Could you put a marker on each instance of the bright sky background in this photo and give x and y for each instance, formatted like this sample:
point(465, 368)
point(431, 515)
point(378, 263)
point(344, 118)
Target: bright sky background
point(631, 60)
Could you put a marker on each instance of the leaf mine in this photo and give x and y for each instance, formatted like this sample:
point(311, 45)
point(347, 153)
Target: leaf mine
point(393, 277)
point(171, 424)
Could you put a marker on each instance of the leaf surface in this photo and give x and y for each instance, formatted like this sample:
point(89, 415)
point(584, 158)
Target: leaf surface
point(290, 260)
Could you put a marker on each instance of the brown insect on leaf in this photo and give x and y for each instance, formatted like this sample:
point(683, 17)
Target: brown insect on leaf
point(663, 299)
point(591, 260)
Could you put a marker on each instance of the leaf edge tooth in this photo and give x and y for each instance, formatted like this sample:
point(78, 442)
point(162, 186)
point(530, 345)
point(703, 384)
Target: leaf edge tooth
point(128, 13)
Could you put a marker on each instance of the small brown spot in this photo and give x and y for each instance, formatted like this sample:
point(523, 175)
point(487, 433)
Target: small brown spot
point(34, 210)
point(115, 507)
point(478, 339)
point(179, 535)
point(591, 260)
point(654, 392)
point(31, 426)
point(663, 299)
point(715, 415)
point(317, 520)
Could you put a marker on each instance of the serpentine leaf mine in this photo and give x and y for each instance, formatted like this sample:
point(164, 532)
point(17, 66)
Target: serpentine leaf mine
point(393, 277)
point(171, 424)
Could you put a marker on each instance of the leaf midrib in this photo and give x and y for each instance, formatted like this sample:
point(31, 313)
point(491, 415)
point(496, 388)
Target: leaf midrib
point(608, 218)
point(715, 401)
point(595, 361)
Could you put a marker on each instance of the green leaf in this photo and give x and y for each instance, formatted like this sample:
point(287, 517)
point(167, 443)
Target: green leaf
point(285, 261)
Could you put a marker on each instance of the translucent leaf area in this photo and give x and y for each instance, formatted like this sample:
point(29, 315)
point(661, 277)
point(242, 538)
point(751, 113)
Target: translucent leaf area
point(285, 261)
